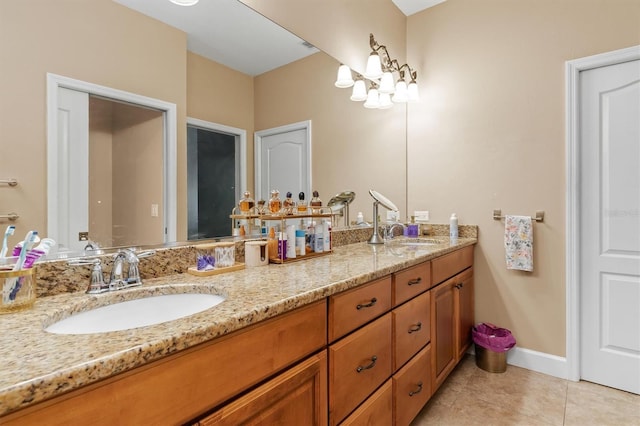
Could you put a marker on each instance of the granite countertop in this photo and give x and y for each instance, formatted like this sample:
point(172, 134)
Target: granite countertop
point(38, 365)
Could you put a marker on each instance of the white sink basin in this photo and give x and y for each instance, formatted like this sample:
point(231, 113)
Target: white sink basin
point(135, 313)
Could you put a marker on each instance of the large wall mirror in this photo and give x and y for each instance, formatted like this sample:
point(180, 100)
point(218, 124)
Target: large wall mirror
point(111, 45)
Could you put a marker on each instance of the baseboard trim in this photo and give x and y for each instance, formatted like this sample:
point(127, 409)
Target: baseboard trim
point(540, 362)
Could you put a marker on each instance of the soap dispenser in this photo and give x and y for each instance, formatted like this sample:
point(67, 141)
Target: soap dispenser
point(453, 227)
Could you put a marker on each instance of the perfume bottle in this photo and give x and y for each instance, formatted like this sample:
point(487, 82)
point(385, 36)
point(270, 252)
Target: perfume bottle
point(302, 204)
point(246, 203)
point(274, 202)
point(315, 203)
point(288, 205)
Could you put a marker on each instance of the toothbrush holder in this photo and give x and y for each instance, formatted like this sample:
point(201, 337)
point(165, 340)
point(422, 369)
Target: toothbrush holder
point(18, 290)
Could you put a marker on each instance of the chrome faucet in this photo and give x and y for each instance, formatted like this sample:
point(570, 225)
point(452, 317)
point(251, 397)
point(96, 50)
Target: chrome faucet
point(117, 280)
point(388, 230)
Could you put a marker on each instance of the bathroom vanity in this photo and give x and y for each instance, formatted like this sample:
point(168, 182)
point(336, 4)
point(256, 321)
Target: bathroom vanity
point(364, 335)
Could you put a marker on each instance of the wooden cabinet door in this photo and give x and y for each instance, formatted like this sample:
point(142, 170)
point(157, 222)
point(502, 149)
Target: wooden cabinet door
point(465, 310)
point(443, 330)
point(296, 397)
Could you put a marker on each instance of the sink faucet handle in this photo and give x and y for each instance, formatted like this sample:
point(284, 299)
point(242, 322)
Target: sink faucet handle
point(134, 271)
point(96, 283)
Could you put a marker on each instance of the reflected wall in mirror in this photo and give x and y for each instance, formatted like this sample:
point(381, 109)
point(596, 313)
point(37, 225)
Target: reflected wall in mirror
point(352, 148)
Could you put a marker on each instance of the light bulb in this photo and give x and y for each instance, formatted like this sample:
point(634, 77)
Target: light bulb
point(184, 2)
point(374, 69)
point(400, 94)
point(359, 92)
point(344, 77)
point(386, 83)
point(385, 101)
point(412, 92)
point(372, 99)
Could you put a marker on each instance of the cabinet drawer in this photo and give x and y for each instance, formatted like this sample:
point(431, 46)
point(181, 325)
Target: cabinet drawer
point(450, 264)
point(376, 410)
point(358, 364)
point(411, 328)
point(411, 282)
point(412, 387)
point(351, 309)
point(296, 397)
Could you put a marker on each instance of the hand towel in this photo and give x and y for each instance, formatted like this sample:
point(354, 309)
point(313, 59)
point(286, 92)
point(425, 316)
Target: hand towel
point(518, 242)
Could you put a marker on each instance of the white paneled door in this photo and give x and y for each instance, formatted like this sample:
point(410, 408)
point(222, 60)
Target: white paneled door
point(283, 160)
point(610, 225)
point(72, 215)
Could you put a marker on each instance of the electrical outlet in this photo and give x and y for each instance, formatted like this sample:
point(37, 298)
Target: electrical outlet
point(421, 215)
point(154, 210)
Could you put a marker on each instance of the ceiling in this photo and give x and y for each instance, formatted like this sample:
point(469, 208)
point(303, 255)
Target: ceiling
point(230, 33)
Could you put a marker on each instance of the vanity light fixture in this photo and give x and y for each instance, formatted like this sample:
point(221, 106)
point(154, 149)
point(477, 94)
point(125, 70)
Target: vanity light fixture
point(380, 73)
point(184, 2)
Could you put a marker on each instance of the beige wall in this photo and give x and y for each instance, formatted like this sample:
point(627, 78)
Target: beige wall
point(218, 94)
point(489, 131)
point(137, 153)
point(492, 126)
point(97, 41)
point(352, 148)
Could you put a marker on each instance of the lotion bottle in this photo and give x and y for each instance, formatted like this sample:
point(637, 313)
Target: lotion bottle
point(453, 227)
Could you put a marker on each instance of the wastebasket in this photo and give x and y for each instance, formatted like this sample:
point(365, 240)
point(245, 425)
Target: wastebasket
point(492, 344)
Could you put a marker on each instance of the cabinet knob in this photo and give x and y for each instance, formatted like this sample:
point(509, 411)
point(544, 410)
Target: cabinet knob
point(367, 305)
point(415, 281)
point(361, 368)
point(417, 391)
point(415, 327)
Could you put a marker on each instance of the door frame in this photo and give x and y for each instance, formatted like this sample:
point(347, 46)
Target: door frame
point(301, 125)
point(572, 219)
point(240, 135)
point(169, 110)
point(241, 138)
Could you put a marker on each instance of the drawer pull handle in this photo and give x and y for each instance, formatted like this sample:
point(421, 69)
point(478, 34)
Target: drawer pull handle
point(367, 305)
point(416, 327)
point(415, 281)
point(417, 391)
point(361, 368)
point(459, 286)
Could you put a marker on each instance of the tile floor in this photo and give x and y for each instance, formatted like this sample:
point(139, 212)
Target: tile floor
point(471, 396)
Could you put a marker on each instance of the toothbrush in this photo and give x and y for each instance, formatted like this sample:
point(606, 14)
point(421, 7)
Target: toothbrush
point(10, 230)
point(12, 285)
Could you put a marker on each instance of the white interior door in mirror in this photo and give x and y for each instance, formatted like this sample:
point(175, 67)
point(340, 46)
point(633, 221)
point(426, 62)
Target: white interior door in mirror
point(283, 160)
point(72, 183)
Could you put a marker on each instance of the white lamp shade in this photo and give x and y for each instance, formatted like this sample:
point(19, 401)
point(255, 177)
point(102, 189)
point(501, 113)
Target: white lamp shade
point(386, 83)
point(372, 99)
point(374, 69)
point(184, 2)
point(359, 92)
point(385, 101)
point(412, 92)
point(344, 77)
point(400, 94)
